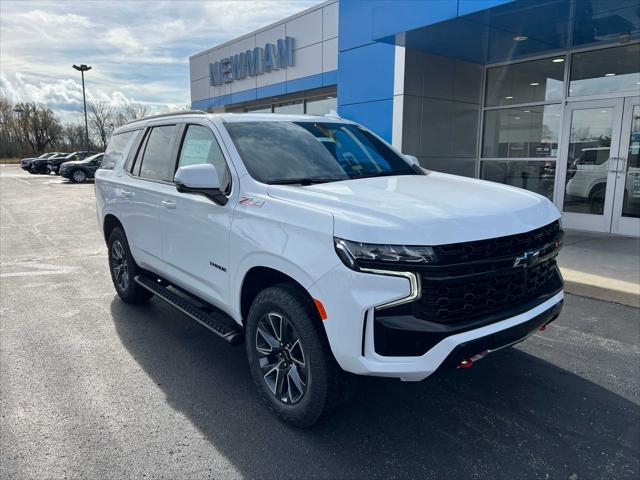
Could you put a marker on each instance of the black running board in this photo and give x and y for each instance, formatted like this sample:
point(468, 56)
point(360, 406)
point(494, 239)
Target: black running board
point(215, 321)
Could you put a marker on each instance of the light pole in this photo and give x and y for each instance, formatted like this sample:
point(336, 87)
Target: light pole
point(83, 68)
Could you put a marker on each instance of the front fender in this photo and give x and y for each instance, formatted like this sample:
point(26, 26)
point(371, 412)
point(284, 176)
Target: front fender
point(294, 240)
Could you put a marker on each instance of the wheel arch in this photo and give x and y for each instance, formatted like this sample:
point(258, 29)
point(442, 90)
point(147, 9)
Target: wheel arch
point(109, 223)
point(258, 278)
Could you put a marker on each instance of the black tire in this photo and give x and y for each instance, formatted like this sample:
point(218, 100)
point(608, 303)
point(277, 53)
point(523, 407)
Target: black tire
point(123, 269)
point(321, 377)
point(78, 176)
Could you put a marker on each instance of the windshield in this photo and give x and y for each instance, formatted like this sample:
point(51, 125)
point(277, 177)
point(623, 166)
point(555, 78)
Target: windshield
point(97, 156)
point(313, 152)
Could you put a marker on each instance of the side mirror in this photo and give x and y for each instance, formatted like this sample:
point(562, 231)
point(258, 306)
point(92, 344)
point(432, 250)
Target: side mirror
point(413, 161)
point(202, 179)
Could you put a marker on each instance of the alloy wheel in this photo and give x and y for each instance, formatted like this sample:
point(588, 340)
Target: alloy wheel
point(281, 358)
point(120, 265)
point(79, 176)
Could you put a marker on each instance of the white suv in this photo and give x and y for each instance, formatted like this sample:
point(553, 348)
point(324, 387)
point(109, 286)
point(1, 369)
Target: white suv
point(324, 248)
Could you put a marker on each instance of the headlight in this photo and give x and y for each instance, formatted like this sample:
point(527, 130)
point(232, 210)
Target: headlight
point(355, 254)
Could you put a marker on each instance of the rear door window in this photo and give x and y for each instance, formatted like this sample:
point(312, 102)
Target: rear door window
point(116, 149)
point(157, 159)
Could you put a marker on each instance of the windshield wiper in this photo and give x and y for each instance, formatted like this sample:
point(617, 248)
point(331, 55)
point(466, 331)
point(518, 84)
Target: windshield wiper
point(306, 180)
point(377, 174)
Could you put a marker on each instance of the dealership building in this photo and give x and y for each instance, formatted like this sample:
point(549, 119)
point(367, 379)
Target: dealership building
point(539, 94)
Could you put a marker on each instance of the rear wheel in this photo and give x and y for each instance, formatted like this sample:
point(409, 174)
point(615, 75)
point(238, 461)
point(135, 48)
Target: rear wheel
point(290, 360)
point(78, 176)
point(124, 269)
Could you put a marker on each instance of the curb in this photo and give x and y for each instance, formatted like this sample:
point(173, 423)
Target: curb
point(601, 288)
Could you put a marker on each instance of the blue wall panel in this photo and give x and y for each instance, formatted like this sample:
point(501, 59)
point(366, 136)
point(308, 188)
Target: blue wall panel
point(304, 83)
point(365, 69)
point(354, 24)
point(466, 7)
point(272, 90)
point(243, 96)
point(366, 73)
point(374, 115)
point(389, 18)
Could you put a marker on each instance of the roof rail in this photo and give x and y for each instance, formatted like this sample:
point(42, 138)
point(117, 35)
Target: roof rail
point(168, 114)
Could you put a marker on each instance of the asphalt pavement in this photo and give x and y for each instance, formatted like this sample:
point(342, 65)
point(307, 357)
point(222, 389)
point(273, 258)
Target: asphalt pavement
point(93, 388)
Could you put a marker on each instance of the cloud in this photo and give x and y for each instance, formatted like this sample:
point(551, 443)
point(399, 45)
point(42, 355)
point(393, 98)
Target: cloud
point(122, 39)
point(138, 50)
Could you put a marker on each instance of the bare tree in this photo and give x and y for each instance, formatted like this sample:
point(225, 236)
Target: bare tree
point(133, 111)
point(37, 126)
point(11, 144)
point(101, 122)
point(73, 136)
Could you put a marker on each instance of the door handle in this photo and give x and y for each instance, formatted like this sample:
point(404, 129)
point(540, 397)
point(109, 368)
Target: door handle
point(126, 193)
point(168, 204)
point(611, 161)
point(622, 164)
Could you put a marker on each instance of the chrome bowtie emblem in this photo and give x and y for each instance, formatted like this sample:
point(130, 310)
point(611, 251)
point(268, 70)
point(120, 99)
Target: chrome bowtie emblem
point(527, 259)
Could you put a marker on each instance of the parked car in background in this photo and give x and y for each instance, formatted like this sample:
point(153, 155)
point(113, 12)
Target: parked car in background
point(55, 162)
point(40, 166)
point(25, 163)
point(79, 170)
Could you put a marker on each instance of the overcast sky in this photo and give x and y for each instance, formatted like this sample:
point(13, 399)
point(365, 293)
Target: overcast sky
point(138, 49)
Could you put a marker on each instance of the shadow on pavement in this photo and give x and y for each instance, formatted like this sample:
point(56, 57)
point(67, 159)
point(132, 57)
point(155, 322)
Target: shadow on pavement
point(511, 416)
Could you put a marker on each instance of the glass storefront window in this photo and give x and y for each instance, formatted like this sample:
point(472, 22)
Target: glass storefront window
point(265, 109)
point(526, 82)
point(290, 107)
point(321, 106)
point(525, 132)
point(534, 175)
point(606, 71)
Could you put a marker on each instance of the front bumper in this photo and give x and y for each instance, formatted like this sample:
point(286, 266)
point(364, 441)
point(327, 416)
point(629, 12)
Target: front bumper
point(350, 299)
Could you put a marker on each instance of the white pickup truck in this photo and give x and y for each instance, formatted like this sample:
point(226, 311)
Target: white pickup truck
point(324, 249)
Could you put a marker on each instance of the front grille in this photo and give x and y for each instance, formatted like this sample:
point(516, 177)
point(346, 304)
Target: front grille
point(479, 279)
point(502, 246)
point(453, 300)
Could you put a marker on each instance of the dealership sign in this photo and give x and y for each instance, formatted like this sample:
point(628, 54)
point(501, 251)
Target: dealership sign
point(253, 62)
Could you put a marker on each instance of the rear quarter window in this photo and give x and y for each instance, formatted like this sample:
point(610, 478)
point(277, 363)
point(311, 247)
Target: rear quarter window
point(117, 149)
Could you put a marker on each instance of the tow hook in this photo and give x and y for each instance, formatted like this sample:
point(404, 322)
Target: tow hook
point(468, 362)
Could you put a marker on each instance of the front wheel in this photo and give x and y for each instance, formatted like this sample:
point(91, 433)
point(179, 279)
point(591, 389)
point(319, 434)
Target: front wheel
point(124, 269)
point(290, 360)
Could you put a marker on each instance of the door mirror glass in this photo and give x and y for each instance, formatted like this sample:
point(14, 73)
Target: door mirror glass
point(202, 179)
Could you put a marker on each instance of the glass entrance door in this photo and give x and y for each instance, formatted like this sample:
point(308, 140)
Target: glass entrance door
point(599, 168)
point(588, 163)
point(626, 203)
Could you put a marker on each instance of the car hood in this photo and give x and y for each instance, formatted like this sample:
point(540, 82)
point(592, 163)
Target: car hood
point(70, 163)
point(430, 209)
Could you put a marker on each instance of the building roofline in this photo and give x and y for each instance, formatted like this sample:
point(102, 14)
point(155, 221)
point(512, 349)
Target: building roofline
point(262, 29)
